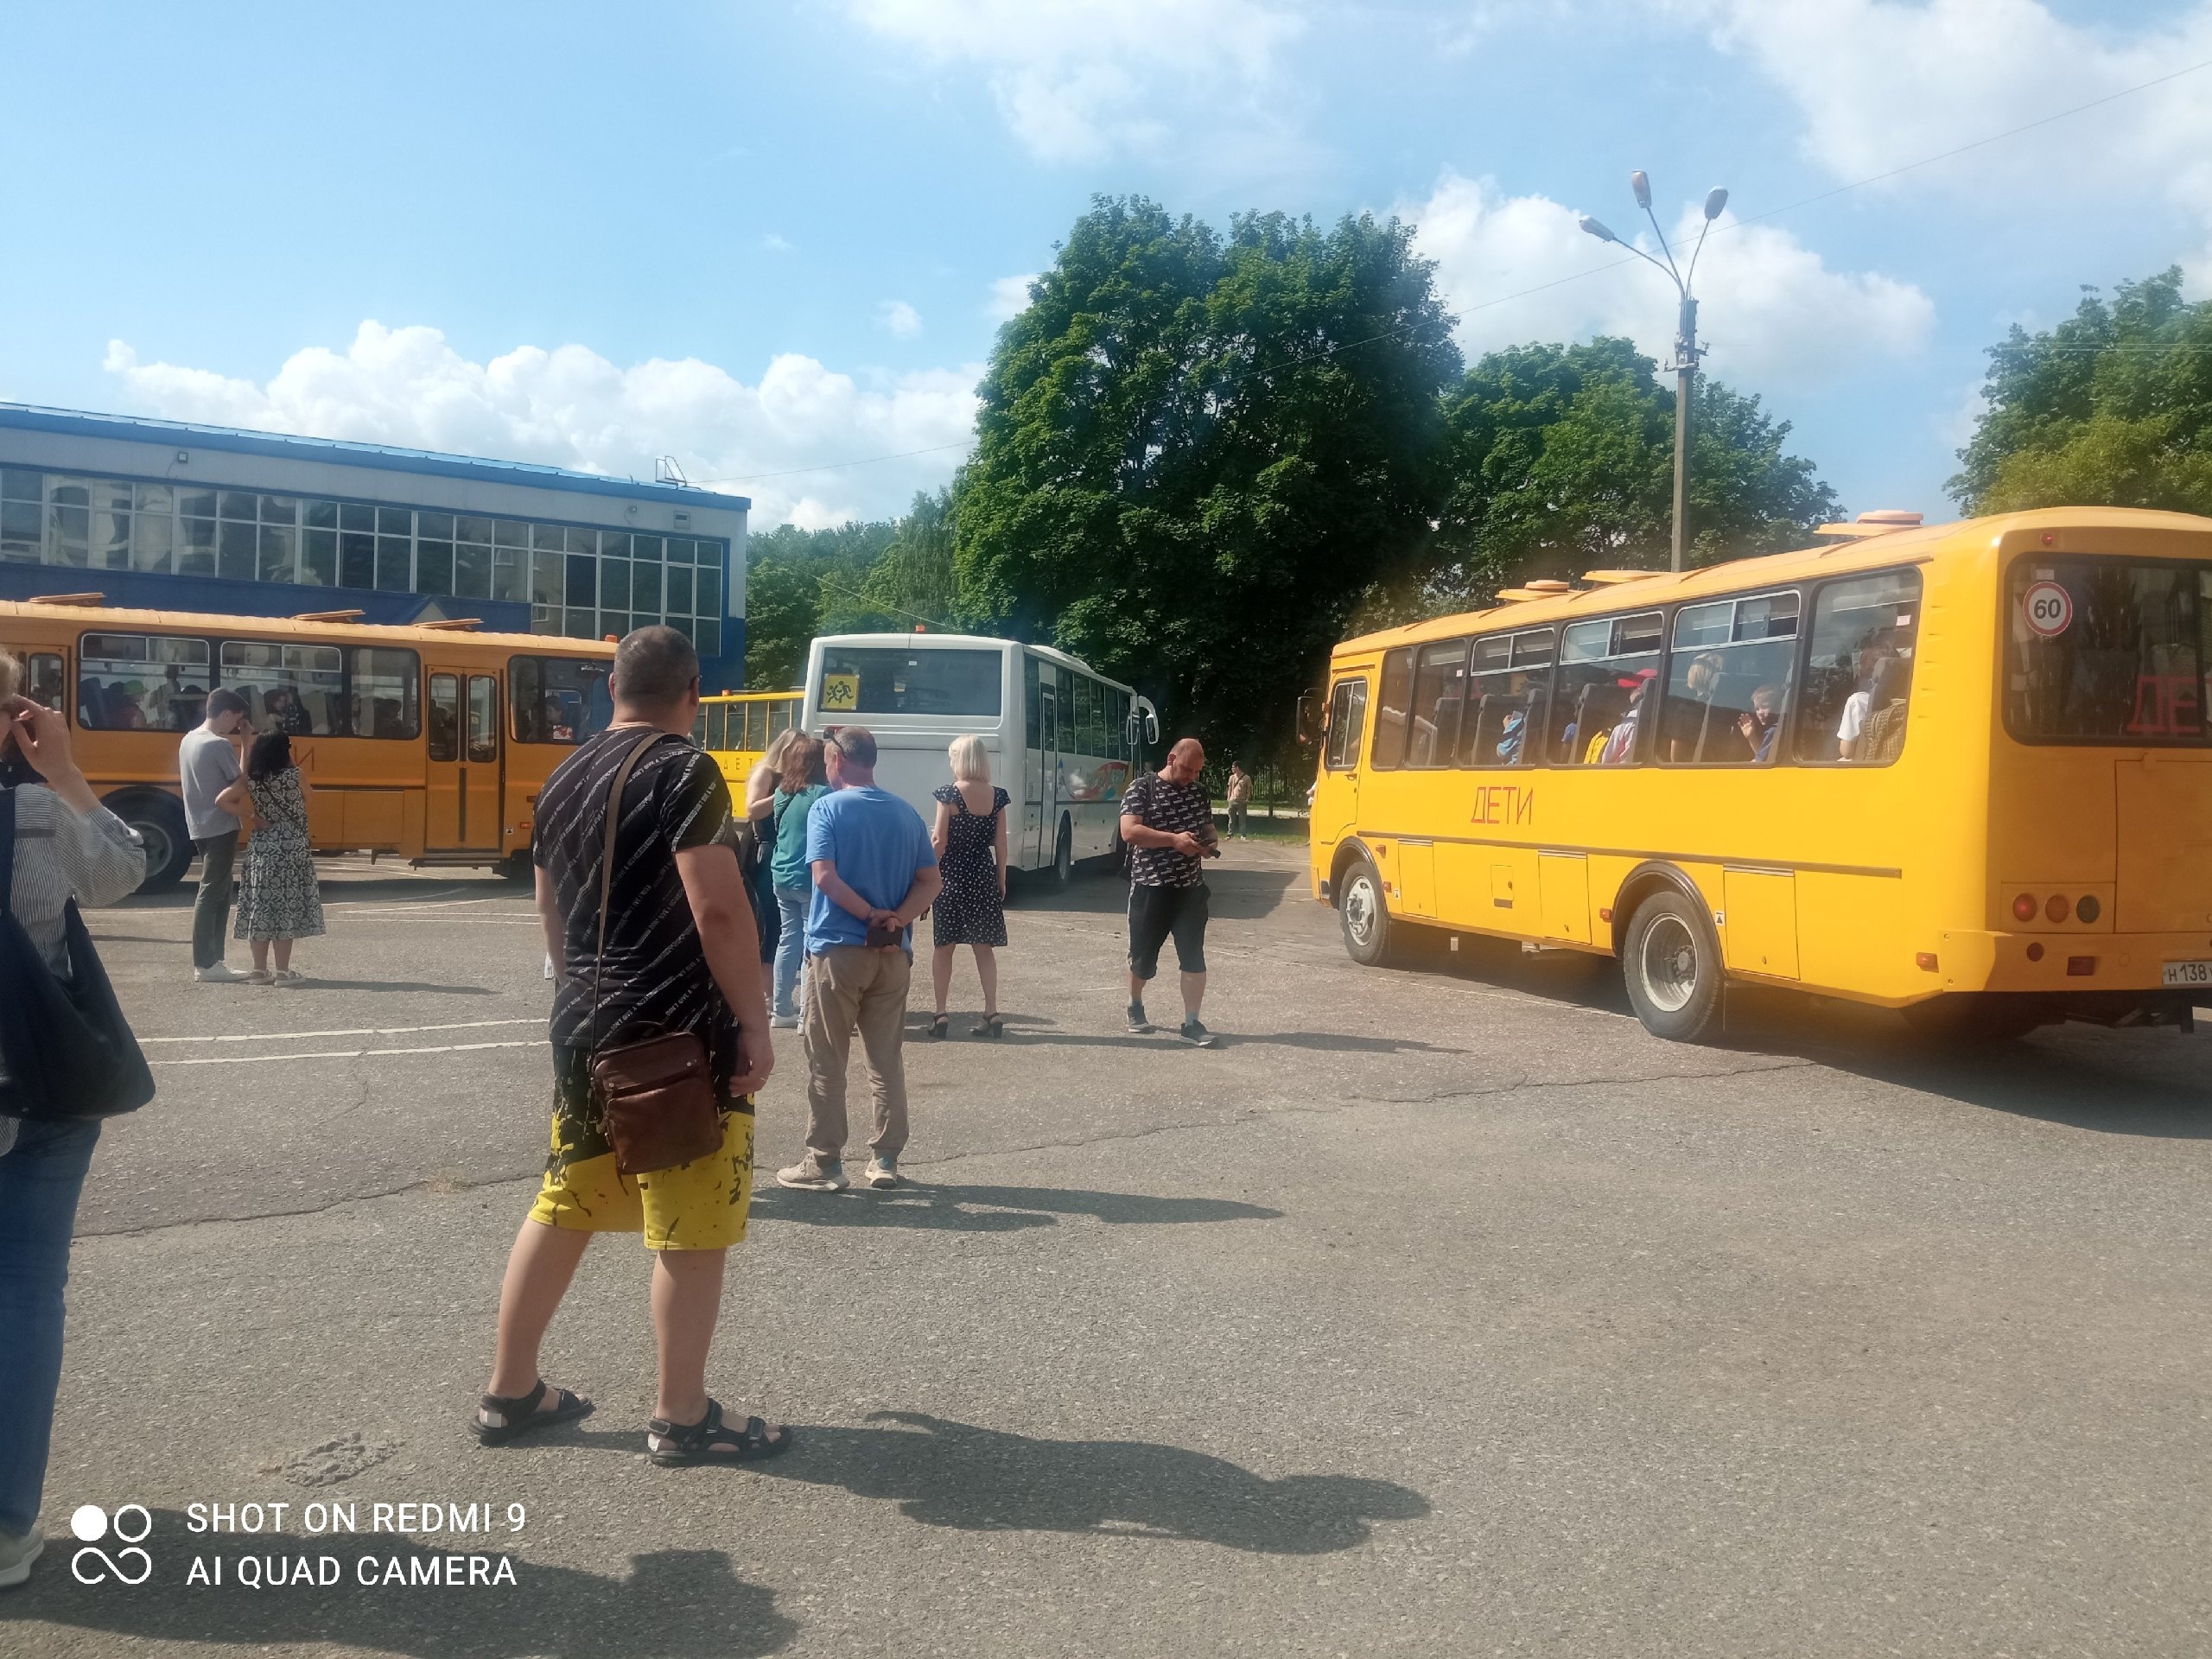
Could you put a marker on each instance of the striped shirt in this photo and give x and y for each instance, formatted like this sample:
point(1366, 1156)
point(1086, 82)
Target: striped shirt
point(654, 978)
point(1159, 803)
point(96, 859)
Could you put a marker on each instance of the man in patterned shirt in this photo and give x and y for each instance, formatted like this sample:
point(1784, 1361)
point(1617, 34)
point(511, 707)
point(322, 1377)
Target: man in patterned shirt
point(1167, 824)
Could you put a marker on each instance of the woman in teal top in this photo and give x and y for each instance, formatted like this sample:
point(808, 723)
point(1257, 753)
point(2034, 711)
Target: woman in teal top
point(804, 782)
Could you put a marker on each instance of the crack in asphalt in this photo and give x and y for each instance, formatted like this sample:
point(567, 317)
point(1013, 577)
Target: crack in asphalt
point(448, 1184)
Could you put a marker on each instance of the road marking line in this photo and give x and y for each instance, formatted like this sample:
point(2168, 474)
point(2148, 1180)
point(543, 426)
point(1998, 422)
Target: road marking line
point(349, 1053)
point(356, 1031)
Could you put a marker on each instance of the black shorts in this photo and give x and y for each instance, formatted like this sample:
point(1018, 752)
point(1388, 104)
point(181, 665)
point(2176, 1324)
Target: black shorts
point(1156, 912)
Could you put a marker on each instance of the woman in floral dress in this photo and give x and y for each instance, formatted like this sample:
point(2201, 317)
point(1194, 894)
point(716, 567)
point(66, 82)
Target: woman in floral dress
point(278, 899)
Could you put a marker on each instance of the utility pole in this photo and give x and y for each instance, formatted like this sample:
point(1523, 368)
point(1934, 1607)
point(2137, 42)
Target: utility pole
point(1685, 346)
point(1686, 355)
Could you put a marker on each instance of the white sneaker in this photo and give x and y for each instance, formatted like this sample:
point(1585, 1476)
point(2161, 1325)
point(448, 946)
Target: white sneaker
point(883, 1174)
point(18, 1552)
point(220, 973)
point(782, 1022)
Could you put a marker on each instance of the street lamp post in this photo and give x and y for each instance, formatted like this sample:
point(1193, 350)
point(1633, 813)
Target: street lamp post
point(1685, 346)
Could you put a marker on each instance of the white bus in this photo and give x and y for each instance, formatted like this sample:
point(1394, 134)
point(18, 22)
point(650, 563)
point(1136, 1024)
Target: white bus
point(1065, 740)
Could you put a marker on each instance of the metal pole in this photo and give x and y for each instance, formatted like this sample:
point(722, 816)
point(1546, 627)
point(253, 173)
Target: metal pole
point(1685, 371)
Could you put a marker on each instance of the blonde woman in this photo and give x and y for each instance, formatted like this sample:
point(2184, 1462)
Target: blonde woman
point(969, 836)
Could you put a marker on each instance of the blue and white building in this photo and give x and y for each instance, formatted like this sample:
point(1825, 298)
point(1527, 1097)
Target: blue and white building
point(160, 515)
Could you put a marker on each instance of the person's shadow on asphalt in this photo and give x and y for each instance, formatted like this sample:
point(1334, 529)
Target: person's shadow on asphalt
point(674, 1603)
point(947, 1474)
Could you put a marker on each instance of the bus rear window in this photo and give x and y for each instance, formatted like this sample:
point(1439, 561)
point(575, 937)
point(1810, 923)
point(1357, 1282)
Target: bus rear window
point(889, 680)
point(2106, 650)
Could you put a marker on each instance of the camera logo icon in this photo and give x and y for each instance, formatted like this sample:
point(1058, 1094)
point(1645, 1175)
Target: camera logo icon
point(130, 1526)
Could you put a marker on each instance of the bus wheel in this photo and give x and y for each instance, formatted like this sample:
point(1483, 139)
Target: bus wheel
point(1672, 962)
point(1365, 917)
point(1064, 859)
point(159, 824)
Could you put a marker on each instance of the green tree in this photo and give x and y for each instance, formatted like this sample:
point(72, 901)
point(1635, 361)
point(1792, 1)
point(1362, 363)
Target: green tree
point(1560, 459)
point(1194, 452)
point(913, 579)
point(801, 582)
point(2111, 408)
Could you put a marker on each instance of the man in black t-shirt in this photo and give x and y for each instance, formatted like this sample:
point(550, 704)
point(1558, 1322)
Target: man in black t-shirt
point(681, 954)
point(1167, 824)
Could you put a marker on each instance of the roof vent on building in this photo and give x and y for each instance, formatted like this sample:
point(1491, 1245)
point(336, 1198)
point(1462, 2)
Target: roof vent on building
point(667, 470)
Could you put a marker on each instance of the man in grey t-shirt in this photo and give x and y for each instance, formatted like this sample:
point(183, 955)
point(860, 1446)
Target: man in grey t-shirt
point(208, 767)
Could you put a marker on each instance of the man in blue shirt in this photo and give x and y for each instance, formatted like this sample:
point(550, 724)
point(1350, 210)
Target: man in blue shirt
point(875, 872)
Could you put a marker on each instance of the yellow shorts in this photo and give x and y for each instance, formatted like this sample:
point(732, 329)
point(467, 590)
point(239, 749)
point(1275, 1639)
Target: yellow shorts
point(701, 1206)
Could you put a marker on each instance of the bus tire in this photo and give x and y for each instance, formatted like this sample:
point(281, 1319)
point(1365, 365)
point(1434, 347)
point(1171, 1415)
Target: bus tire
point(1671, 960)
point(1365, 915)
point(1063, 858)
point(159, 820)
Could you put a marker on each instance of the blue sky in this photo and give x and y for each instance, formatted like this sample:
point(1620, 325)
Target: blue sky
point(771, 240)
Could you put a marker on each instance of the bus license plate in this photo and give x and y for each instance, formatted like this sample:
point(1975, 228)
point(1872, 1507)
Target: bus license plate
point(2188, 973)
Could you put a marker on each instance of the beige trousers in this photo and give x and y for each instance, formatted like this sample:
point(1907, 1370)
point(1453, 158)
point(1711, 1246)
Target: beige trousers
point(850, 986)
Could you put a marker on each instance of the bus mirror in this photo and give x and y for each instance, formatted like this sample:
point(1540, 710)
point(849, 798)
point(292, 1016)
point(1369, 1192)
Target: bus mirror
point(1305, 709)
point(1151, 727)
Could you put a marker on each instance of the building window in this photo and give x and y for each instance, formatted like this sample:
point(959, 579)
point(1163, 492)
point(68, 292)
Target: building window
point(578, 582)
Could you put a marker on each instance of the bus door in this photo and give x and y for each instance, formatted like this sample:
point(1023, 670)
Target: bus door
point(464, 765)
point(1046, 741)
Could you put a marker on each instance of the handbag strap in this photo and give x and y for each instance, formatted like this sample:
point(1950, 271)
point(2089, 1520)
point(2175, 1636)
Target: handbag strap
point(606, 875)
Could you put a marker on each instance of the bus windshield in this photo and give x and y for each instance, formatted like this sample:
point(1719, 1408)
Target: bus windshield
point(2107, 650)
point(890, 680)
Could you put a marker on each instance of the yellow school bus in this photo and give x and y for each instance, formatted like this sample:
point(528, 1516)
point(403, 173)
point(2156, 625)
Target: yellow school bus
point(427, 742)
point(737, 727)
point(1964, 770)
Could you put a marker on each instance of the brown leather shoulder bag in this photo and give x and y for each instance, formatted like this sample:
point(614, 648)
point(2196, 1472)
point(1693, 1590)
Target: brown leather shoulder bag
point(656, 1097)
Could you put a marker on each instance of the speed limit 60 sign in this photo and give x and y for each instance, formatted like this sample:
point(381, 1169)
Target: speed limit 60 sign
point(2048, 609)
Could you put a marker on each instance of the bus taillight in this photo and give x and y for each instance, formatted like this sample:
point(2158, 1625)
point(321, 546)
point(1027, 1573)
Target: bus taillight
point(2025, 907)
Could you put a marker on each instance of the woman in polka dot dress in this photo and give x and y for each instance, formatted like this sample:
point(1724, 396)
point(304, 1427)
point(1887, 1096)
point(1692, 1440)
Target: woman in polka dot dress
point(970, 840)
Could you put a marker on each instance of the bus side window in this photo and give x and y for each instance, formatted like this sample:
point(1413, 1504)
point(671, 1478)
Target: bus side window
point(1389, 747)
point(44, 681)
point(1509, 687)
point(1440, 693)
point(1607, 666)
point(1858, 674)
point(1347, 714)
point(1728, 684)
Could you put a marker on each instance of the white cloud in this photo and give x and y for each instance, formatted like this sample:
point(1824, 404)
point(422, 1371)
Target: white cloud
point(571, 407)
point(1774, 314)
point(900, 318)
point(1081, 79)
point(1009, 297)
point(775, 243)
point(1880, 85)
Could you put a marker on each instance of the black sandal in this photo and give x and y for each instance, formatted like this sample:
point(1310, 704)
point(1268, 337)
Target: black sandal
point(711, 1440)
point(940, 1027)
point(501, 1418)
point(994, 1026)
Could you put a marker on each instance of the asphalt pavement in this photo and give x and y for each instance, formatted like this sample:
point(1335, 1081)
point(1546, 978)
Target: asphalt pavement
point(1440, 1310)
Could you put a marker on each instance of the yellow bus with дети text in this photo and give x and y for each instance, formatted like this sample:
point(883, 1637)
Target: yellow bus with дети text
point(1964, 770)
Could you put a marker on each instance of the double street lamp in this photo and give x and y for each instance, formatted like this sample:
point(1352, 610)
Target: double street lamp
point(1685, 346)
